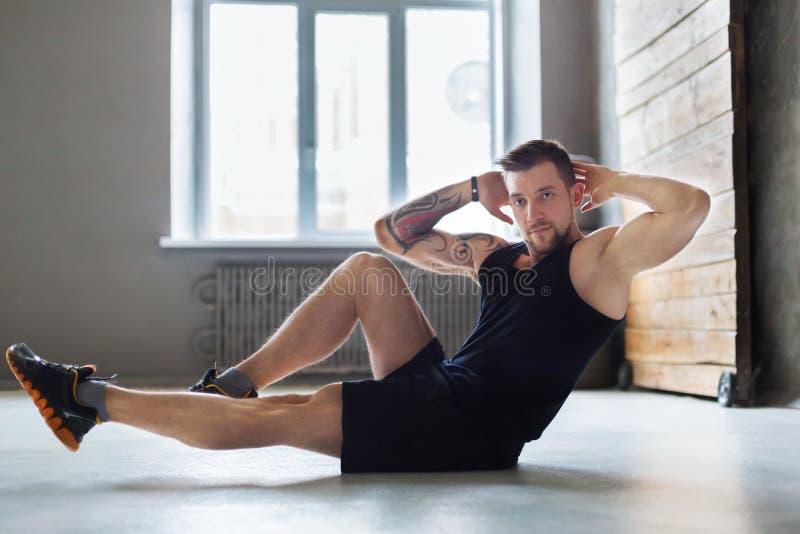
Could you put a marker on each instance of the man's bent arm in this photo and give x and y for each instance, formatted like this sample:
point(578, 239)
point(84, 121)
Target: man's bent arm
point(662, 195)
point(408, 231)
point(651, 238)
point(412, 222)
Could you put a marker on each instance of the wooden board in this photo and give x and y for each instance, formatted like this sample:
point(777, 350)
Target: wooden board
point(682, 114)
point(700, 98)
point(631, 35)
point(713, 312)
point(702, 158)
point(695, 379)
point(708, 167)
point(714, 279)
point(669, 47)
point(721, 215)
point(686, 66)
point(681, 346)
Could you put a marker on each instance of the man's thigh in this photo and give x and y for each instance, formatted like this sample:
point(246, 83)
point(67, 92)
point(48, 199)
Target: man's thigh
point(315, 425)
point(394, 324)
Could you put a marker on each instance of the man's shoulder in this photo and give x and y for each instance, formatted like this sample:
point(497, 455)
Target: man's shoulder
point(598, 240)
point(596, 277)
point(482, 245)
point(588, 255)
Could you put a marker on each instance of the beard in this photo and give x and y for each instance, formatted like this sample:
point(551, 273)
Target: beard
point(548, 241)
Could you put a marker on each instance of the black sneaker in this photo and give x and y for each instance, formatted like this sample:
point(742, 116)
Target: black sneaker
point(52, 388)
point(207, 385)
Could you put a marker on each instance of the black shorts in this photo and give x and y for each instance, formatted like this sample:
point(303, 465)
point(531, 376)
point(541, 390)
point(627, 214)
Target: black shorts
point(408, 421)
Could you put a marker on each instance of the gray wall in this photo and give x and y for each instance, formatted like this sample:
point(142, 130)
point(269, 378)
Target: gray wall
point(773, 64)
point(84, 171)
point(569, 74)
point(579, 87)
point(607, 124)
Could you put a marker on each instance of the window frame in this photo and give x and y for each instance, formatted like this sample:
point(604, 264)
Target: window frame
point(395, 10)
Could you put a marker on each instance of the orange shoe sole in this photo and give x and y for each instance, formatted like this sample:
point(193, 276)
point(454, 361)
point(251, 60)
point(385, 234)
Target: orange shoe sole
point(64, 435)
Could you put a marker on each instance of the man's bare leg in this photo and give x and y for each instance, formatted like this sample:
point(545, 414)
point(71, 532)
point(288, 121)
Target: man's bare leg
point(72, 401)
point(395, 328)
point(217, 422)
point(365, 286)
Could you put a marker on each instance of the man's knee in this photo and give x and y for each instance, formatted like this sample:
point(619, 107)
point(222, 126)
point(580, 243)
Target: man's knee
point(328, 394)
point(367, 260)
point(365, 273)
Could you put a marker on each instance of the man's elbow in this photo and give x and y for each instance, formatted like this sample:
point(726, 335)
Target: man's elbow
point(699, 206)
point(380, 231)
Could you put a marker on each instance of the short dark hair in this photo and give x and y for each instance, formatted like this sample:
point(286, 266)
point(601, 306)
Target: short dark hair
point(531, 153)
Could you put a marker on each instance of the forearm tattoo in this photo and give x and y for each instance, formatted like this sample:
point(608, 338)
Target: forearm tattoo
point(465, 245)
point(412, 223)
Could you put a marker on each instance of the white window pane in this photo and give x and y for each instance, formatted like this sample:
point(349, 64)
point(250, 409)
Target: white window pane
point(253, 121)
point(352, 67)
point(449, 136)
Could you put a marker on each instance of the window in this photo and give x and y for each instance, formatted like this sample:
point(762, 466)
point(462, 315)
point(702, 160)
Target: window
point(316, 117)
point(251, 120)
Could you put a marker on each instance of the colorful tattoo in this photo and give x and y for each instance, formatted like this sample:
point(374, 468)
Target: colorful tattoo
point(412, 223)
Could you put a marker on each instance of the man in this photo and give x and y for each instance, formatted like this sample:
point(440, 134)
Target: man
point(548, 303)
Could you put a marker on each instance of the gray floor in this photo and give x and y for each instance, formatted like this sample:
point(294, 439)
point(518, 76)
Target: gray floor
point(612, 461)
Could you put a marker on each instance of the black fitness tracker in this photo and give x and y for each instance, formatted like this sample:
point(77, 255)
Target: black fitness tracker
point(474, 188)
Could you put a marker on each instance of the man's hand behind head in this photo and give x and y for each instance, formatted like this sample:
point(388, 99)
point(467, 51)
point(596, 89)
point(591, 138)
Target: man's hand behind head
point(492, 193)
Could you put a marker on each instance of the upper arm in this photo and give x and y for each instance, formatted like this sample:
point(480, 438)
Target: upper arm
point(652, 238)
point(441, 251)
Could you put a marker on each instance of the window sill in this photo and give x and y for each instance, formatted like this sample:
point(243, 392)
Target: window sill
point(167, 242)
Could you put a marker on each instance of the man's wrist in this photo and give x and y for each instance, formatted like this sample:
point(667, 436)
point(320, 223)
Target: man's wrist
point(617, 182)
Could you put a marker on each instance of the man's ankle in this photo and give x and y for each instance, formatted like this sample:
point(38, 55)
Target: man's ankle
point(234, 383)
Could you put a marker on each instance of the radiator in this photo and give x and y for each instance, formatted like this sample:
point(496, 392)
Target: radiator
point(251, 301)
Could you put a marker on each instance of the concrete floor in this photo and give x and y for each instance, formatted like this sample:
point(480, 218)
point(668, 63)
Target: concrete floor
point(612, 461)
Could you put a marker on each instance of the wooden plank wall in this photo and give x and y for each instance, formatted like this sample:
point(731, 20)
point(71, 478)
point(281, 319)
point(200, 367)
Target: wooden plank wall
point(677, 116)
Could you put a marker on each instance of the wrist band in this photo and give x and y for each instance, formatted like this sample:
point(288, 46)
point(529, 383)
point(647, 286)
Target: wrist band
point(474, 188)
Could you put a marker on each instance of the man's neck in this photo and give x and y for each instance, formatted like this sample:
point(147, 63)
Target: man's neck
point(531, 257)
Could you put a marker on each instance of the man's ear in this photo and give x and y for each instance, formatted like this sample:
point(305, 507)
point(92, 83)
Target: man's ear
point(577, 194)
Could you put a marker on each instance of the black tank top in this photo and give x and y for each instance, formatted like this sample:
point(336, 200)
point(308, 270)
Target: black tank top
point(533, 338)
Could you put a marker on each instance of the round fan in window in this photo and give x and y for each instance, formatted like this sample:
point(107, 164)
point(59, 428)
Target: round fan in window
point(468, 91)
